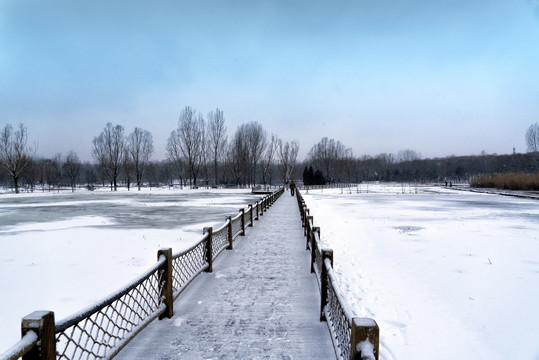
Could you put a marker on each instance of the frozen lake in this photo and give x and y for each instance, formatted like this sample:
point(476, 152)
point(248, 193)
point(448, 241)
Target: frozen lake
point(62, 252)
point(446, 274)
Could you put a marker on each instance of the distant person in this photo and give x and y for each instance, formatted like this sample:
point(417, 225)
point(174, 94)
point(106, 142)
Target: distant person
point(292, 187)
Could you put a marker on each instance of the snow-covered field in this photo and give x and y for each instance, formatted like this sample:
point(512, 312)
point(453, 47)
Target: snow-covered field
point(446, 274)
point(62, 252)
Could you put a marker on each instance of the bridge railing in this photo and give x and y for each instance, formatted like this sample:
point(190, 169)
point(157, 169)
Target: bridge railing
point(101, 330)
point(353, 337)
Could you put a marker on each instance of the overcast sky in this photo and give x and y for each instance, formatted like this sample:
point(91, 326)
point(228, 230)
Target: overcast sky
point(436, 76)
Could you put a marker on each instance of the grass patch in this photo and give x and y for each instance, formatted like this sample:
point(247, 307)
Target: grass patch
point(509, 181)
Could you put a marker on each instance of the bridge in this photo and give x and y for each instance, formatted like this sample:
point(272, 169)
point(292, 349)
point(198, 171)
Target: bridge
point(259, 301)
point(256, 300)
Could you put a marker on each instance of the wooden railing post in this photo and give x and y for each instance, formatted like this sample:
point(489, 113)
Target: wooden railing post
point(256, 218)
point(364, 339)
point(251, 215)
point(209, 247)
point(230, 239)
point(166, 291)
point(326, 254)
point(242, 211)
point(313, 247)
point(41, 323)
point(308, 221)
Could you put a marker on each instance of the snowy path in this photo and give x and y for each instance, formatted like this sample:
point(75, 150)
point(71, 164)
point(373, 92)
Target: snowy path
point(260, 302)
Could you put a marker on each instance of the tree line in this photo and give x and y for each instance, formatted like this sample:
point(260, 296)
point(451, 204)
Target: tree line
point(200, 153)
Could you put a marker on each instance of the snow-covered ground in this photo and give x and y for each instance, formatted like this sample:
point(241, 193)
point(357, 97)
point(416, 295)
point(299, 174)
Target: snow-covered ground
point(446, 274)
point(62, 252)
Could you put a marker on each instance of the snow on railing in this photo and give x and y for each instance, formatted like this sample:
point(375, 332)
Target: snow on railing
point(101, 330)
point(353, 337)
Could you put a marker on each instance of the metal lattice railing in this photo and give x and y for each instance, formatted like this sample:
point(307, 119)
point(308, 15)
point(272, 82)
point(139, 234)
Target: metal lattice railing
point(101, 330)
point(186, 265)
point(220, 240)
point(338, 317)
point(236, 225)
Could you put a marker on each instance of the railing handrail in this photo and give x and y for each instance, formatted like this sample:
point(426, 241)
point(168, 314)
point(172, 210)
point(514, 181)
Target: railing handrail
point(27, 342)
point(32, 336)
point(338, 292)
point(222, 227)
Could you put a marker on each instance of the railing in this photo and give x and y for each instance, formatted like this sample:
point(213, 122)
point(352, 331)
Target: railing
point(353, 337)
point(103, 329)
point(327, 186)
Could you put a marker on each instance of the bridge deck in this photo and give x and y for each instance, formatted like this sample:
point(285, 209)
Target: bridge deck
point(260, 302)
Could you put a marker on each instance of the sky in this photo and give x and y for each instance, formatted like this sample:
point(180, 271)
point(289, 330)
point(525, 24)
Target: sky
point(439, 77)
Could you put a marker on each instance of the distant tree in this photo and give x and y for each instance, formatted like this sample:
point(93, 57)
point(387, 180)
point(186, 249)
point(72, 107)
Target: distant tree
point(306, 178)
point(217, 138)
point(52, 171)
point(128, 167)
point(90, 174)
point(407, 155)
point(311, 177)
point(532, 138)
point(109, 152)
point(175, 155)
point(15, 155)
point(71, 168)
point(288, 152)
point(327, 155)
point(238, 157)
point(256, 138)
point(31, 174)
point(206, 153)
point(318, 178)
point(140, 150)
point(267, 159)
point(187, 138)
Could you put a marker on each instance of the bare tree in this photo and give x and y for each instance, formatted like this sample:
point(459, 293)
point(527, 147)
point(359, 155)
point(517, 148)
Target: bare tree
point(288, 153)
point(217, 138)
point(71, 168)
point(128, 166)
point(140, 145)
point(532, 138)
point(267, 160)
point(256, 145)
point(175, 155)
point(238, 157)
point(408, 155)
point(15, 155)
point(189, 141)
point(51, 167)
point(326, 156)
point(206, 153)
point(109, 151)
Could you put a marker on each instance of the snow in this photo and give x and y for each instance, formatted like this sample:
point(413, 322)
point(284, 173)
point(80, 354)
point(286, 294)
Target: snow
point(366, 349)
point(62, 252)
point(446, 274)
